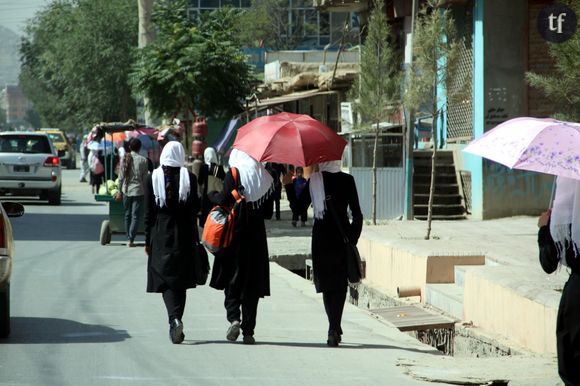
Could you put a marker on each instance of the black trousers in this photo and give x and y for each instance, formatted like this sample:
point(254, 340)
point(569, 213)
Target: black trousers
point(568, 332)
point(302, 214)
point(175, 303)
point(247, 313)
point(334, 306)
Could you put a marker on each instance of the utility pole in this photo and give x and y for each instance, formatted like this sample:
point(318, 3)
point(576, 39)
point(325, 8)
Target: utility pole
point(410, 132)
point(146, 37)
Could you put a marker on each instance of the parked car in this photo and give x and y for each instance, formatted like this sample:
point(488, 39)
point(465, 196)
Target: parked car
point(66, 150)
point(7, 209)
point(29, 166)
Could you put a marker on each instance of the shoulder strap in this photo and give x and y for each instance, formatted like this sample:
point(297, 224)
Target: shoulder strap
point(330, 206)
point(235, 193)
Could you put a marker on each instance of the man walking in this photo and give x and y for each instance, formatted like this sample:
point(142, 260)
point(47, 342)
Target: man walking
point(132, 177)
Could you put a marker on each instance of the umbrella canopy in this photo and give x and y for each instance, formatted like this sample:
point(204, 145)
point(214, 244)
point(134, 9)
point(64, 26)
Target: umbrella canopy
point(542, 145)
point(295, 139)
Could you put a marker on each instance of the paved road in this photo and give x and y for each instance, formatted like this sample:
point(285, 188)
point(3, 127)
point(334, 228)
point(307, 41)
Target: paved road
point(81, 317)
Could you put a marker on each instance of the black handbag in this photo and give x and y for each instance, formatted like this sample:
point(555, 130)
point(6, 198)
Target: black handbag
point(200, 262)
point(353, 260)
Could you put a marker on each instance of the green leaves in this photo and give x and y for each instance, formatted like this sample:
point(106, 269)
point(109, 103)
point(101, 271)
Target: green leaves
point(561, 86)
point(76, 55)
point(436, 54)
point(194, 64)
point(377, 91)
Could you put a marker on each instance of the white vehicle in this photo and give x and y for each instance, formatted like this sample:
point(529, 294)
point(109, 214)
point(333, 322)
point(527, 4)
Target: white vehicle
point(29, 166)
point(7, 209)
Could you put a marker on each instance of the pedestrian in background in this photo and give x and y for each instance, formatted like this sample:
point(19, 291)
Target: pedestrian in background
point(559, 244)
point(97, 170)
point(210, 179)
point(171, 207)
point(329, 186)
point(277, 171)
point(300, 205)
point(84, 152)
point(132, 175)
point(243, 270)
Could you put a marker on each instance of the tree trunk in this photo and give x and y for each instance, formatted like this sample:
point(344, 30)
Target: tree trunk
point(432, 187)
point(374, 197)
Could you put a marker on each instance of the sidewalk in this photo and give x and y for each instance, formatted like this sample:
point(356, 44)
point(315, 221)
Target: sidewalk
point(508, 297)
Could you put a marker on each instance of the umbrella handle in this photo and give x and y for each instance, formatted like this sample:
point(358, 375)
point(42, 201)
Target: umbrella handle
point(553, 193)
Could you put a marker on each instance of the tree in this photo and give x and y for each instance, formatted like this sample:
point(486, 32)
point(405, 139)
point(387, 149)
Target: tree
point(76, 56)
point(435, 64)
point(195, 66)
point(276, 25)
point(377, 92)
point(561, 86)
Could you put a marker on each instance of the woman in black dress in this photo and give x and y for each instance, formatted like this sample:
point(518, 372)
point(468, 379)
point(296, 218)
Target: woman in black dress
point(243, 270)
point(171, 207)
point(559, 242)
point(330, 186)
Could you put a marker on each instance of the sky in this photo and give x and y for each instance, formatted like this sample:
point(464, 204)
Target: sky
point(14, 13)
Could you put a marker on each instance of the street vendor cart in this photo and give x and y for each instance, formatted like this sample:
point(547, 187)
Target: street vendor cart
point(115, 224)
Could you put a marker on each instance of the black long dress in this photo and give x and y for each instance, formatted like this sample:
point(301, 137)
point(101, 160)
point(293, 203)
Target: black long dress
point(244, 266)
point(568, 322)
point(328, 250)
point(170, 232)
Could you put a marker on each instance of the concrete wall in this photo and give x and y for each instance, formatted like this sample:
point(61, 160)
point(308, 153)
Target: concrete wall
point(521, 316)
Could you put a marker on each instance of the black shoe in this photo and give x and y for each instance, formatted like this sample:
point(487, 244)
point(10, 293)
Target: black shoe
point(176, 331)
point(333, 339)
point(233, 331)
point(249, 339)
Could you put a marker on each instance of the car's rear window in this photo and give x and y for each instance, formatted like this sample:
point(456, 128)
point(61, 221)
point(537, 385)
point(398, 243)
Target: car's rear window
point(24, 144)
point(56, 137)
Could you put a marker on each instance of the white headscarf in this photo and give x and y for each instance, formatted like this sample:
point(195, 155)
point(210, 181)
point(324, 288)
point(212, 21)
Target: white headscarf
point(172, 155)
point(317, 192)
point(254, 177)
point(565, 216)
point(210, 156)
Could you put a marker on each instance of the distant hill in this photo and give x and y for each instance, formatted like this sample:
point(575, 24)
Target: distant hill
point(9, 57)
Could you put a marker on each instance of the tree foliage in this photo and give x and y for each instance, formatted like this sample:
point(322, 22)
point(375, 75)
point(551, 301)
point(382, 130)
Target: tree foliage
point(267, 21)
point(561, 86)
point(76, 56)
point(435, 60)
point(195, 65)
point(436, 53)
point(377, 91)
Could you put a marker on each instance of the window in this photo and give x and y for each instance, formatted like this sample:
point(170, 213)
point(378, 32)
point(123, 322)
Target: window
point(389, 150)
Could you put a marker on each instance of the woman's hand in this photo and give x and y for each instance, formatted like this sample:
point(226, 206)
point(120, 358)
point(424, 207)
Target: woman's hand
point(544, 218)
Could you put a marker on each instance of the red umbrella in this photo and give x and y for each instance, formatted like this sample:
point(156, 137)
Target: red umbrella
point(295, 139)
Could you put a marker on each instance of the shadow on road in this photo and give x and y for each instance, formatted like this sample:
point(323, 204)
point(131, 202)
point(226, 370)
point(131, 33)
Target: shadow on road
point(28, 330)
point(343, 346)
point(57, 227)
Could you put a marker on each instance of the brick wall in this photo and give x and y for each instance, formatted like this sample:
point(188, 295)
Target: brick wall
point(539, 61)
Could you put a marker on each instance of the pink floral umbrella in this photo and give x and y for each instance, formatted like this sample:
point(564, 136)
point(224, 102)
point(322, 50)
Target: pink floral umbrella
point(542, 145)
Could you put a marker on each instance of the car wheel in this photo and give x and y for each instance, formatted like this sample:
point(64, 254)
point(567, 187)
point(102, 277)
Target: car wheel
point(54, 196)
point(105, 237)
point(5, 312)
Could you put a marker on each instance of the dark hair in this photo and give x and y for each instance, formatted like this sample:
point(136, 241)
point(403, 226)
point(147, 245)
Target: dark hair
point(135, 145)
point(168, 171)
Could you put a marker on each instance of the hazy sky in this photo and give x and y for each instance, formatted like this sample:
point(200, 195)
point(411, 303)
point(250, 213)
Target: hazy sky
point(14, 13)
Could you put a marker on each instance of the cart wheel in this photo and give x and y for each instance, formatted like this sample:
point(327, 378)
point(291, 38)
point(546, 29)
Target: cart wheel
point(105, 232)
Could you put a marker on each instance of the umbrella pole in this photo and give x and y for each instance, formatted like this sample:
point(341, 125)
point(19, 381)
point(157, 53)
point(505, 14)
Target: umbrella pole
point(553, 192)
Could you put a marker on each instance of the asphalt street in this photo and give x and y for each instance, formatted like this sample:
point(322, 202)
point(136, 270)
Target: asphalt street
point(81, 316)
